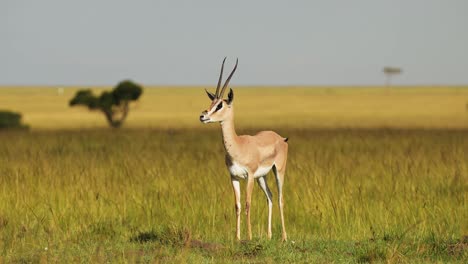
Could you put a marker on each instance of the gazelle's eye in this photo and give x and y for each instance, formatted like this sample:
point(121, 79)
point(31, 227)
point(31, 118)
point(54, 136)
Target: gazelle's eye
point(220, 105)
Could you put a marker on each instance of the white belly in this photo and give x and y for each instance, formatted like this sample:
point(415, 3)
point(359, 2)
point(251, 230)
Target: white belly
point(240, 171)
point(262, 171)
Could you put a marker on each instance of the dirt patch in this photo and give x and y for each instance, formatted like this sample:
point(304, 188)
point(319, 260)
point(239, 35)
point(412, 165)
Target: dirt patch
point(194, 243)
point(458, 248)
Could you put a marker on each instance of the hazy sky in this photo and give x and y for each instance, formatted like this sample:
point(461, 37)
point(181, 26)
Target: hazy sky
point(89, 42)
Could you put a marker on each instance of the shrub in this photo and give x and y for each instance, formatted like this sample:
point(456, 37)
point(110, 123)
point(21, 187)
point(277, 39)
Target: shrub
point(10, 119)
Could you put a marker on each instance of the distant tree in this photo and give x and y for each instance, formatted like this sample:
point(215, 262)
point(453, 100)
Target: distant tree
point(10, 119)
point(114, 104)
point(390, 72)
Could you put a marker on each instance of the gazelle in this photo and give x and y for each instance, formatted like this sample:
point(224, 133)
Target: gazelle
point(248, 157)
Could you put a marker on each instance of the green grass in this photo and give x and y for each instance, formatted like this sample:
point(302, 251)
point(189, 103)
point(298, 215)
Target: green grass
point(164, 195)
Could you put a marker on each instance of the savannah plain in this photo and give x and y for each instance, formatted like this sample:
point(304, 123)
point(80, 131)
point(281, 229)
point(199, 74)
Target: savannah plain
point(374, 175)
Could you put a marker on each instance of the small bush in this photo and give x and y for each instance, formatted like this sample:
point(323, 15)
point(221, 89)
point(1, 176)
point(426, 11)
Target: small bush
point(10, 119)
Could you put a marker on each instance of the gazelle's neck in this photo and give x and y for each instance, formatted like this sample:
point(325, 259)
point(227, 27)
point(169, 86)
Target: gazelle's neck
point(230, 138)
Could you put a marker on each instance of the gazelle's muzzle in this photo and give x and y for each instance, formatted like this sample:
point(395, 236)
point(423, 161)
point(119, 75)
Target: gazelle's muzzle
point(203, 117)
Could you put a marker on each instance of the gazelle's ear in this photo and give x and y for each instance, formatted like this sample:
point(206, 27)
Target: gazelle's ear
point(230, 96)
point(210, 95)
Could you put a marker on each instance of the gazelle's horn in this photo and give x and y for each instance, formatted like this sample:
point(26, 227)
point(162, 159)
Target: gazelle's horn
point(220, 78)
point(227, 81)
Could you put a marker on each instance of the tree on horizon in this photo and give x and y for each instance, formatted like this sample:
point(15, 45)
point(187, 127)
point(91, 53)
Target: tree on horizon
point(113, 104)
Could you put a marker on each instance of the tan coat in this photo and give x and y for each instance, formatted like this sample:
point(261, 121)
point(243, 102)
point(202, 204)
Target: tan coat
point(248, 157)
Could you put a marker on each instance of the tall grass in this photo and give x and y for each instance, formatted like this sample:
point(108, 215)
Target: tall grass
point(140, 195)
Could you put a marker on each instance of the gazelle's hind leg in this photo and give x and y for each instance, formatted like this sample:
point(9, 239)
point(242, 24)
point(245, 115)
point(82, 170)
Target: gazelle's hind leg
point(263, 184)
point(279, 170)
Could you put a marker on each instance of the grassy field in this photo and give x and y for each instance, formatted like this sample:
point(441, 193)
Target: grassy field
point(374, 175)
point(280, 107)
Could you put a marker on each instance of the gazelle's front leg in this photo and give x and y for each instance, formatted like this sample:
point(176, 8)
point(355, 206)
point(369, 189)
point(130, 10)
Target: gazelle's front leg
point(237, 195)
point(248, 198)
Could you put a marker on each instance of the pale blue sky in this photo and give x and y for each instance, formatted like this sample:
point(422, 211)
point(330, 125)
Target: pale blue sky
point(96, 42)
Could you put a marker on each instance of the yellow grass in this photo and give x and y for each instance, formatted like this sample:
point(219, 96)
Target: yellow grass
point(286, 107)
point(155, 195)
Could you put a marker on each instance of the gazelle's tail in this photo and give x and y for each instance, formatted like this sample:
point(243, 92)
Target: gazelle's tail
point(286, 139)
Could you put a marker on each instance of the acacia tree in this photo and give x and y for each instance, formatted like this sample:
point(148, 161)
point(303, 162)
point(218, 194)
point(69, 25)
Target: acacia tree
point(390, 72)
point(114, 104)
